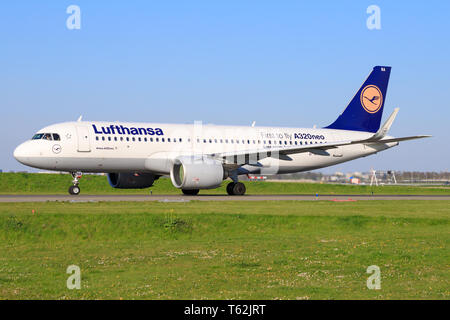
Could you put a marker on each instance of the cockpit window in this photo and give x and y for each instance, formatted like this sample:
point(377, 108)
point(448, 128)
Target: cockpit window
point(37, 136)
point(46, 136)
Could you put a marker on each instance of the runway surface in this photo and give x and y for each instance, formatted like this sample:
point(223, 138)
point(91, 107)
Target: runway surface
point(182, 198)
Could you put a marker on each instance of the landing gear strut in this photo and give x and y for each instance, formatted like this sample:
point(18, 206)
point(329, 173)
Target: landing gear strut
point(75, 189)
point(236, 189)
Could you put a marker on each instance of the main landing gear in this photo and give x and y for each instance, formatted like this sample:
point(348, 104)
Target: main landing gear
point(236, 189)
point(190, 192)
point(75, 189)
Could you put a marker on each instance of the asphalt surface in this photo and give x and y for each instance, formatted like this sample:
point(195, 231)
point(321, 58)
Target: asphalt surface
point(183, 198)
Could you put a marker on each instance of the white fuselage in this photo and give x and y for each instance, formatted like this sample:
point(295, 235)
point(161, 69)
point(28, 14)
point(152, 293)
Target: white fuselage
point(152, 147)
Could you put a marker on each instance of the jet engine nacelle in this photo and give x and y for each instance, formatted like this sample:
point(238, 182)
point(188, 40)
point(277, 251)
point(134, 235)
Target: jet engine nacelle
point(127, 180)
point(196, 173)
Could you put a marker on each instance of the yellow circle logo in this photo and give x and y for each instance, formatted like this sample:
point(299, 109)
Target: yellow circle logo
point(371, 98)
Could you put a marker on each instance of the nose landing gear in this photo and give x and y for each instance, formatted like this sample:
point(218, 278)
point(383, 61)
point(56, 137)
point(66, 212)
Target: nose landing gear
point(75, 189)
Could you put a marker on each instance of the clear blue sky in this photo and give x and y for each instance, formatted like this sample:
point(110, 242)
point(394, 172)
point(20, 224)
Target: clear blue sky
point(280, 63)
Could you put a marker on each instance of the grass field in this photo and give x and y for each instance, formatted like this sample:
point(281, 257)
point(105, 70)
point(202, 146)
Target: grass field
point(226, 250)
point(26, 183)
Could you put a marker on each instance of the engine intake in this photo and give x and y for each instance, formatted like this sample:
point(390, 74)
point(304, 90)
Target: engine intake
point(125, 180)
point(196, 173)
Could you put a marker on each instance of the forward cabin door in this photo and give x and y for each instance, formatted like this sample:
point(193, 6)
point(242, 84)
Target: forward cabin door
point(84, 144)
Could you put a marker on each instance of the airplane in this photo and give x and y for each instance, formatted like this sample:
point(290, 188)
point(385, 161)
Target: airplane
point(197, 156)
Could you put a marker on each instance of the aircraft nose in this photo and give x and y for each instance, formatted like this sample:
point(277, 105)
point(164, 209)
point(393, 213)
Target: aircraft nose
point(22, 152)
point(31, 153)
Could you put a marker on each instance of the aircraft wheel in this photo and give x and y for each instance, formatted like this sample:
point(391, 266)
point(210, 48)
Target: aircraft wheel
point(239, 189)
point(74, 190)
point(190, 192)
point(230, 188)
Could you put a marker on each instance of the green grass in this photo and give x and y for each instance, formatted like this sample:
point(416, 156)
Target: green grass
point(226, 250)
point(27, 183)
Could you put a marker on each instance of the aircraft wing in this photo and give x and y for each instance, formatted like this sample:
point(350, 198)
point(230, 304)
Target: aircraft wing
point(253, 156)
point(400, 139)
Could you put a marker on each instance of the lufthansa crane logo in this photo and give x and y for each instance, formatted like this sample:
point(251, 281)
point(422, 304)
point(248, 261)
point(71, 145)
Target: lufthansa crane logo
point(56, 148)
point(371, 99)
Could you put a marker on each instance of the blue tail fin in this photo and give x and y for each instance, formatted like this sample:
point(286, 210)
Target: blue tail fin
point(365, 110)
